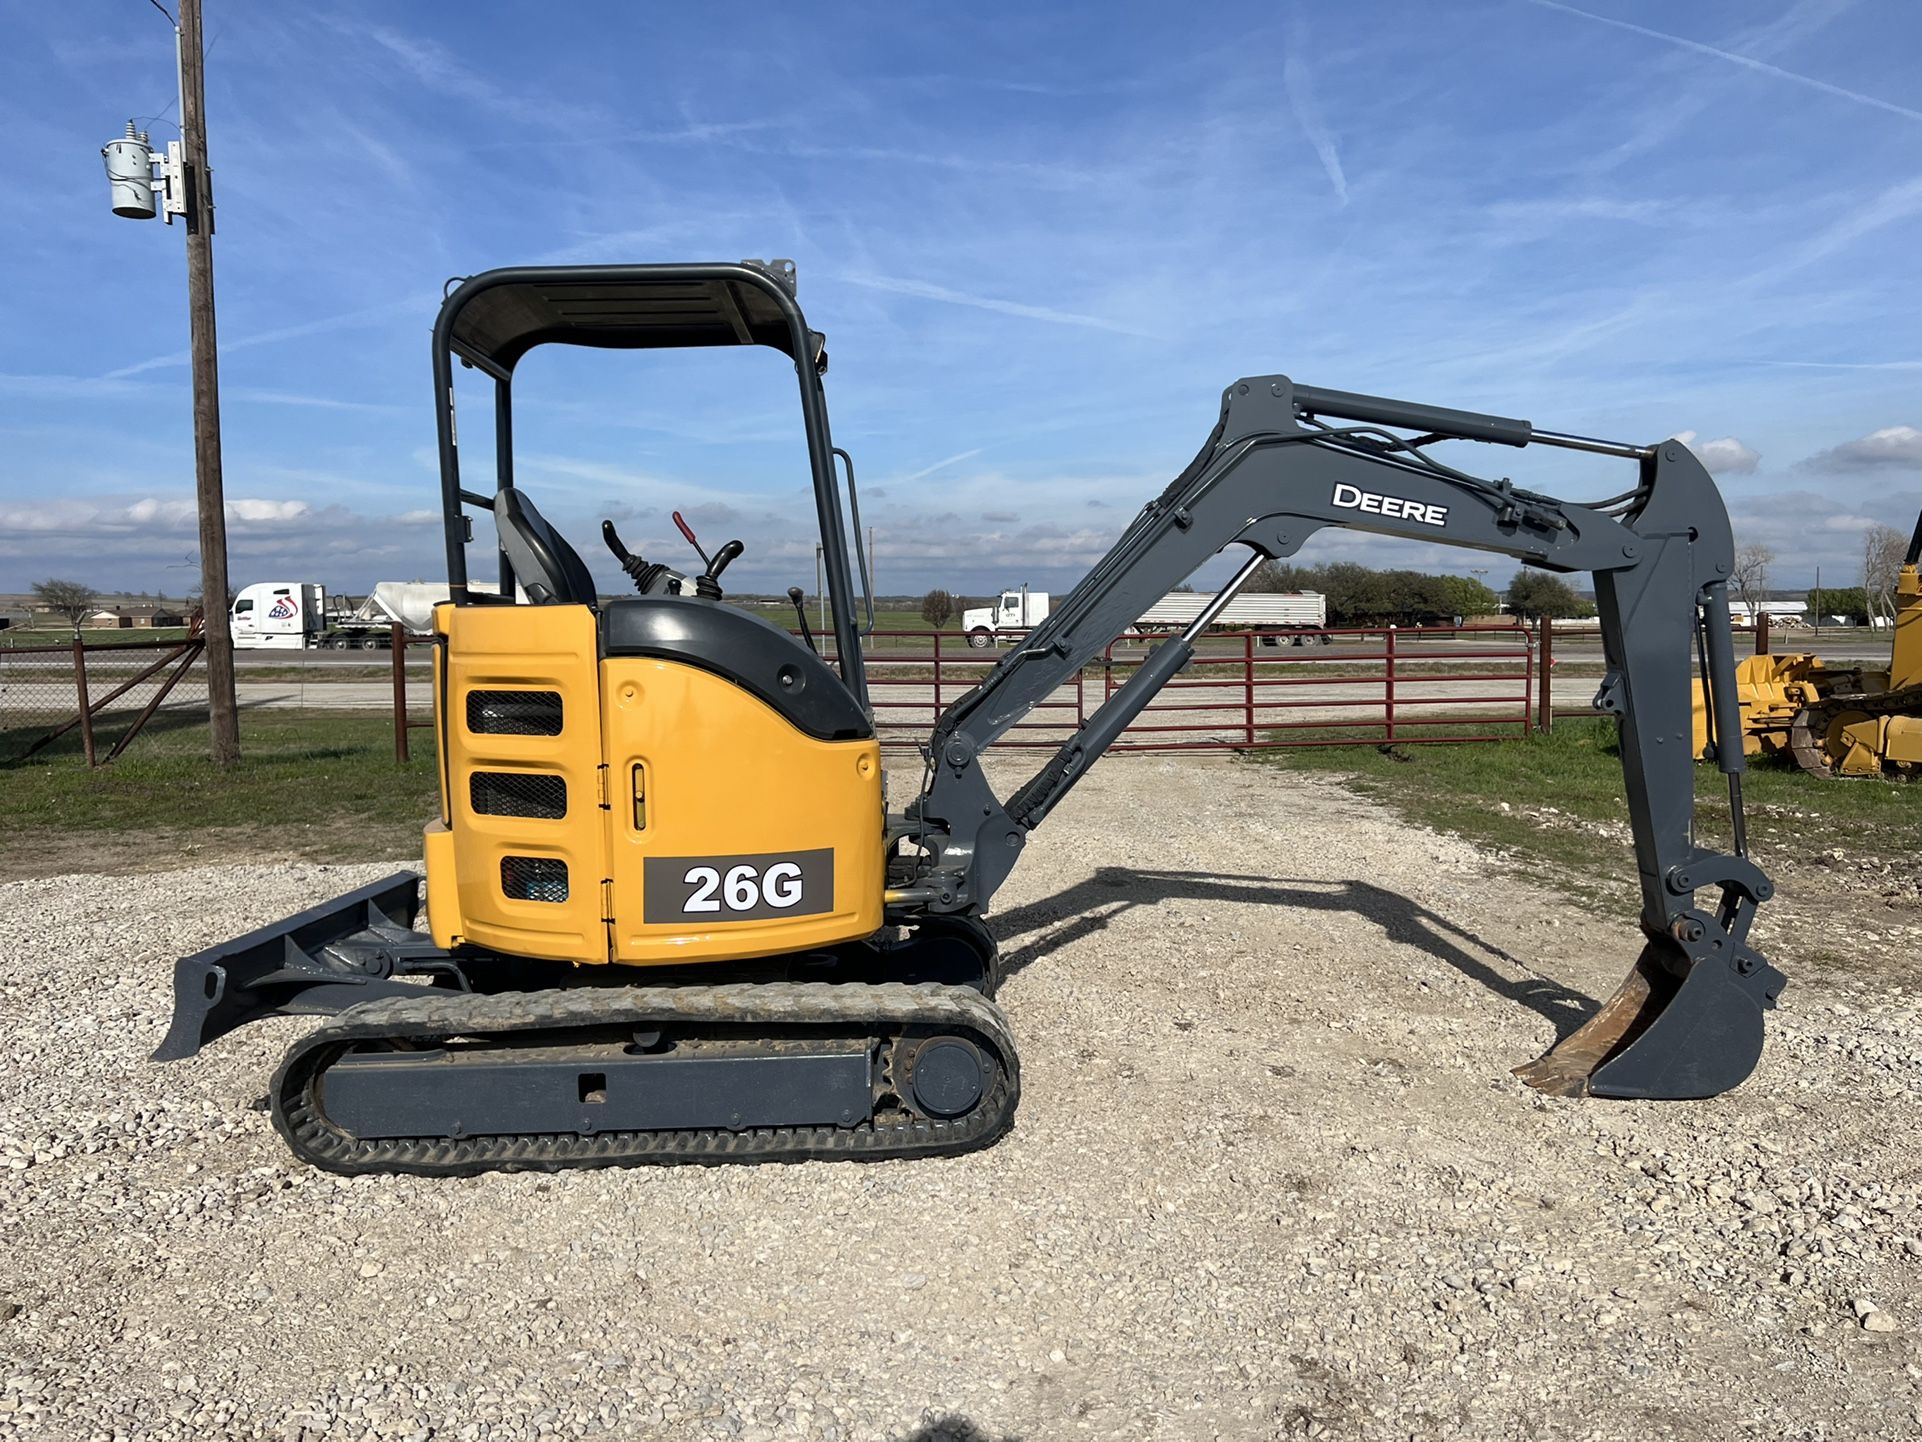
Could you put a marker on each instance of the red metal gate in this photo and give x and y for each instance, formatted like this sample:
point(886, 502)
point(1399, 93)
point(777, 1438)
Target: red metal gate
point(1245, 690)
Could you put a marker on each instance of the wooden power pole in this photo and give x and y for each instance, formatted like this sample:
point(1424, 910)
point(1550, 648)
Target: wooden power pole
point(221, 706)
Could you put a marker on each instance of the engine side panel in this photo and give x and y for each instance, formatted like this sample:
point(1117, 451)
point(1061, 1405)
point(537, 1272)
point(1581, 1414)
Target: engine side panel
point(731, 833)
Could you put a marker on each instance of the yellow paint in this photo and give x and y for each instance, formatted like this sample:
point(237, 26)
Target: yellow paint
point(1769, 691)
point(520, 649)
point(1905, 660)
point(443, 890)
point(659, 759)
point(727, 775)
point(1902, 739)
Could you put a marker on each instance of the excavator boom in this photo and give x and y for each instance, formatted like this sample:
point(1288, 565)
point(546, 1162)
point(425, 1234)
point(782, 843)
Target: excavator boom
point(1286, 461)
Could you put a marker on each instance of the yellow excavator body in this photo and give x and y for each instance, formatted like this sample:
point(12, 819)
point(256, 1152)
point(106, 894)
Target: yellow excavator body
point(636, 810)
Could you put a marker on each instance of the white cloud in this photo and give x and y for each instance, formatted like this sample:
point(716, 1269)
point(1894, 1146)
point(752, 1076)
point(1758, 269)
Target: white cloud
point(1890, 446)
point(1725, 456)
point(254, 509)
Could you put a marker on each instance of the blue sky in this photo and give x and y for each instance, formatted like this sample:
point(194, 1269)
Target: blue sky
point(1040, 240)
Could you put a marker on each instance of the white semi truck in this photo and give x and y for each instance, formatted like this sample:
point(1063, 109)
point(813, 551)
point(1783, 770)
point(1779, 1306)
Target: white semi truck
point(294, 615)
point(1286, 618)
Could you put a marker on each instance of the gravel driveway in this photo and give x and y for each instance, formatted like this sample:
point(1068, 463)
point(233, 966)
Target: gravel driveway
point(1270, 1178)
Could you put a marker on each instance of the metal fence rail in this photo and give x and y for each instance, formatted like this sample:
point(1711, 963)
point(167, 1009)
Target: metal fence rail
point(1245, 690)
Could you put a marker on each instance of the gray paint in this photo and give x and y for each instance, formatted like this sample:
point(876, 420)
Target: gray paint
point(1267, 479)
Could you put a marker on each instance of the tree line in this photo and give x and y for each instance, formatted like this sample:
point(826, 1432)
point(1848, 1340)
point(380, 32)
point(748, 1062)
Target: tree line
point(1360, 595)
point(1363, 596)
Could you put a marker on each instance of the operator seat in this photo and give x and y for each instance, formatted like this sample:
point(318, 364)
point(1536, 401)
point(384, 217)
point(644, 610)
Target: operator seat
point(550, 571)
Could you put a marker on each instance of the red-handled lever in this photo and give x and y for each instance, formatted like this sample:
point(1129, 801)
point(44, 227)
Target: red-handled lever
point(688, 531)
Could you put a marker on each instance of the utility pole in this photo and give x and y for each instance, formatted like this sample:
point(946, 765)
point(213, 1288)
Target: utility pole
point(223, 711)
point(179, 183)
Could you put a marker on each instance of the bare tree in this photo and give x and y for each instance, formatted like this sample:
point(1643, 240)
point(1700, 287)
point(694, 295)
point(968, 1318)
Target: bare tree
point(937, 608)
point(72, 599)
point(1751, 576)
point(1882, 550)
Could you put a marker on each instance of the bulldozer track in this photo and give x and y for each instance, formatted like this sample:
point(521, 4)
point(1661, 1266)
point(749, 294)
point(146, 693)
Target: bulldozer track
point(878, 1011)
point(1808, 735)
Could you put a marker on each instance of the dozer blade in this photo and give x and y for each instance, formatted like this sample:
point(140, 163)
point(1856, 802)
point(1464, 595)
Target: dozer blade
point(1660, 1037)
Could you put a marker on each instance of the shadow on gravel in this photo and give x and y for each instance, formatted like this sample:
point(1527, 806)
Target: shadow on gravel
point(1088, 906)
point(955, 1428)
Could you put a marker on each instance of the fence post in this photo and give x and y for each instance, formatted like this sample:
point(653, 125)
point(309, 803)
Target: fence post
point(1528, 683)
point(1761, 633)
point(1080, 697)
point(1545, 711)
point(1390, 654)
point(1248, 682)
point(80, 686)
point(937, 676)
point(399, 648)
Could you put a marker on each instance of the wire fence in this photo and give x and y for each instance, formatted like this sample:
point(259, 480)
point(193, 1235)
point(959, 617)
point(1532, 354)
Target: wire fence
point(100, 700)
point(95, 699)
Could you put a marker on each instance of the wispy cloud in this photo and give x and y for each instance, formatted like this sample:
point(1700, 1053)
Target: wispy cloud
point(1896, 365)
point(1300, 87)
point(258, 396)
point(1747, 62)
point(941, 465)
point(347, 320)
point(1894, 203)
point(927, 290)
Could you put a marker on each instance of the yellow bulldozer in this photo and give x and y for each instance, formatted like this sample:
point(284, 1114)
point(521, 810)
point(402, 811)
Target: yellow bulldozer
point(1838, 720)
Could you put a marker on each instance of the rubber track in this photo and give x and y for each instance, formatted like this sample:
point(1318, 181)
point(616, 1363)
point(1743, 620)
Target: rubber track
point(1808, 734)
point(839, 1009)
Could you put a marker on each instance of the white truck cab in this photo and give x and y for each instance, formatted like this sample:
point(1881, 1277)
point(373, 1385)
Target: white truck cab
point(270, 615)
point(1014, 611)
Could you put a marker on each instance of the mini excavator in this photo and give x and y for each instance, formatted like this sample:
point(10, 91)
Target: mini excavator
point(671, 915)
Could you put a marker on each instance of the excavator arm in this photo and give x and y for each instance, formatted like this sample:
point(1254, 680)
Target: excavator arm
point(1286, 461)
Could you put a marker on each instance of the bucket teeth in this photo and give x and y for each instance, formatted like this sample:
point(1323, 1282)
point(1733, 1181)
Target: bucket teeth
point(1664, 1037)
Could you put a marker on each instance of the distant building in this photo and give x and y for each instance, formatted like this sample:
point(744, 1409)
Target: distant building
point(107, 619)
point(1744, 614)
point(150, 615)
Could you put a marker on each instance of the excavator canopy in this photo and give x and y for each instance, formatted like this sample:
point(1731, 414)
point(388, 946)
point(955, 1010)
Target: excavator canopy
point(508, 312)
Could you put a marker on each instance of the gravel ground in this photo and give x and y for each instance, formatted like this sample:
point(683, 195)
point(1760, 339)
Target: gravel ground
point(1271, 1178)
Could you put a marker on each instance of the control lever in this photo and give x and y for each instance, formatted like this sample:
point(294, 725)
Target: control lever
point(801, 615)
point(708, 585)
point(643, 573)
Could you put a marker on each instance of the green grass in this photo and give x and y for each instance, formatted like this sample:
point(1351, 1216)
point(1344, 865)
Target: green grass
point(318, 785)
point(1577, 771)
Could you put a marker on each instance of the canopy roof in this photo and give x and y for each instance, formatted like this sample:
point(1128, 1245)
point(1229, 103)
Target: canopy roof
point(494, 319)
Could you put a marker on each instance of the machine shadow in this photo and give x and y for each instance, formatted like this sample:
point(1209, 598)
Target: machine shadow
point(955, 1428)
point(1088, 906)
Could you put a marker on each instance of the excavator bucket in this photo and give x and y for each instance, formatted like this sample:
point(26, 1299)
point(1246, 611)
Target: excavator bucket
point(1664, 1037)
